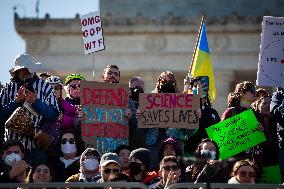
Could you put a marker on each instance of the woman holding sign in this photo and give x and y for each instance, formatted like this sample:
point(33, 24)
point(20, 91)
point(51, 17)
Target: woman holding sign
point(240, 100)
point(154, 136)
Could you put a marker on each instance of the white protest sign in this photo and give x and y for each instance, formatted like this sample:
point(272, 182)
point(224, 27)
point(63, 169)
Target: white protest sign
point(92, 32)
point(271, 58)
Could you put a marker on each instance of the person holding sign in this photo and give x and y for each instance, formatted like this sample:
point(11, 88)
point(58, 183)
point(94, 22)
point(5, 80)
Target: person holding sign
point(209, 116)
point(243, 172)
point(111, 74)
point(240, 100)
point(262, 112)
point(166, 83)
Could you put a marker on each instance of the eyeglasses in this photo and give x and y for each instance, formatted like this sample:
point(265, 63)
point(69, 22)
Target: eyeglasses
point(107, 171)
point(168, 168)
point(75, 86)
point(71, 140)
point(244, 174)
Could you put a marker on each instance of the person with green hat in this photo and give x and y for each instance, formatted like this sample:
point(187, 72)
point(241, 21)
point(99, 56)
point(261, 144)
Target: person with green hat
point(72, 86)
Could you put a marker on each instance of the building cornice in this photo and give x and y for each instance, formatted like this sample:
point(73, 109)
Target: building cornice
point(138, 25)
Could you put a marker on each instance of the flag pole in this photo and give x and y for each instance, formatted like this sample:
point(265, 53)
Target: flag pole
point(94, 67)
point(197, 41)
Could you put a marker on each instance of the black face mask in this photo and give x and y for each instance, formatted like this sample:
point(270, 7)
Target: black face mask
point(134, 93)
point(135, 168)
point(168, 87)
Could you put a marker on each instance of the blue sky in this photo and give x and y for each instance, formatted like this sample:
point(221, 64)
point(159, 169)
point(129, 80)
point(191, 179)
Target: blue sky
point(11, 44)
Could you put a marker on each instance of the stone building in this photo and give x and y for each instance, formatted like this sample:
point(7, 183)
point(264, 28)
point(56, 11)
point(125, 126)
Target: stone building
point(147, 37)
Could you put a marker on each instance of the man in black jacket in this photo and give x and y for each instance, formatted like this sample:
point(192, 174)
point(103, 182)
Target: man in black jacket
point(277, 115)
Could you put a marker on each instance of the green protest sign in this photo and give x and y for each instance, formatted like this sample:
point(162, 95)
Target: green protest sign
point(271, 175)
point(236, 134)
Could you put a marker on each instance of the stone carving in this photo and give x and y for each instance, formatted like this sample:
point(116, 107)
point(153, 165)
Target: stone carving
point(155, 43)
point(221, 44)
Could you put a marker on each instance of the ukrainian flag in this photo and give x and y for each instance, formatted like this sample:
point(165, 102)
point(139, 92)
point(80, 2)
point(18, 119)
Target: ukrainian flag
point(201, 64)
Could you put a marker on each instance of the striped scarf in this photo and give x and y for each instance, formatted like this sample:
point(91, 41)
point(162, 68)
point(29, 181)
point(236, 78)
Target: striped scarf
point(44, 93)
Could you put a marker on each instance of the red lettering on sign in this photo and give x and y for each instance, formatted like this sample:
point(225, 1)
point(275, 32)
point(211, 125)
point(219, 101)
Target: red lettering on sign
point(87, 96)
point(116, 97)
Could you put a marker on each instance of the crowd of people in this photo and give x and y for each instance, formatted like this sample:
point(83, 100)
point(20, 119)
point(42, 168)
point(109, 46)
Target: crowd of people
point(42, 139)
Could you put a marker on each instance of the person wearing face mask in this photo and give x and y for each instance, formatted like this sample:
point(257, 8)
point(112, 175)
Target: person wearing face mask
point(15, 167)
point(89, 167)
point(136, 135)
point(70, 147)
point(27, 91)
point(166, 83)
point(207, 167)
point(140, 162)
point(209, 116)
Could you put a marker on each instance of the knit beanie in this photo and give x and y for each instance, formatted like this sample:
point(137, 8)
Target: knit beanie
point(143, 155)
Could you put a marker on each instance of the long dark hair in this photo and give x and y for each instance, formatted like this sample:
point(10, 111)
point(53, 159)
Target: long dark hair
point(199, 148)
point(80, 145)
point(29, 178)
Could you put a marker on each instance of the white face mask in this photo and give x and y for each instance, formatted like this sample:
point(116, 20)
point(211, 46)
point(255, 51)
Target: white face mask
point(12, 158)
point(68, 148)
point(208, 154)
point(91, 164)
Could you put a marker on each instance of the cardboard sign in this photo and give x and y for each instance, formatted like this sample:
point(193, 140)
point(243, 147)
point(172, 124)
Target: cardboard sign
point(104, 124)
point(236, 134)
point(92, 32)
point(165, 110)
point(271, 175)
point(271, 58)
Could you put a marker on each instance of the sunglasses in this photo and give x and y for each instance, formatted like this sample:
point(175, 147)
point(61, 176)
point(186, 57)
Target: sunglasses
point(107, 171)
point(244, 174)
point(75, 86)
point(168, 168)
point(71, 140)
point(57, 88)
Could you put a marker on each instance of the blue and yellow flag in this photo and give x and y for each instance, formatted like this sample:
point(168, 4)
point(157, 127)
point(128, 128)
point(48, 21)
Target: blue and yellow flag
point(201, 64)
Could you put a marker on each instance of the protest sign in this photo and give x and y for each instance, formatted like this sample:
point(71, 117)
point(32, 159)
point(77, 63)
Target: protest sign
point(236, 134)
point(271, 58)
point(104, 124)
point(92, 32)
point(165, 110)
point(271, 175)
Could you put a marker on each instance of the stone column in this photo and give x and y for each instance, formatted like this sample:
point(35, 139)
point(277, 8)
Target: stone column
point(223, 82)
